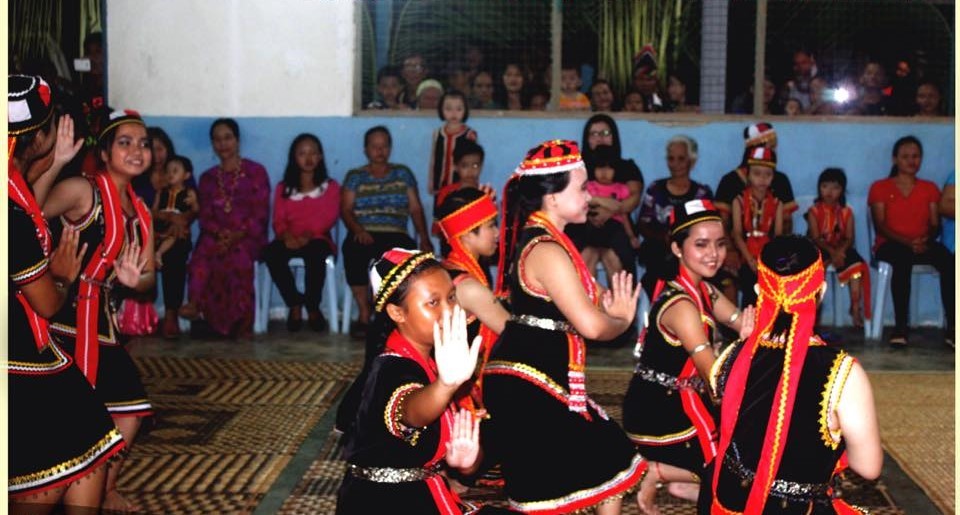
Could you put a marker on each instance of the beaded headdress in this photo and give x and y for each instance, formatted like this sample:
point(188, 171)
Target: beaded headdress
point(550, 157)
point(762, 156)
point(692, 212)
point(759, 134)
point(120, 117)
point(391, 270)
point(29, 104)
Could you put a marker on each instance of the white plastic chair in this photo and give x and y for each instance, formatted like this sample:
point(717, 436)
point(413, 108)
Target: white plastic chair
point(266, 287)
point(882, 286)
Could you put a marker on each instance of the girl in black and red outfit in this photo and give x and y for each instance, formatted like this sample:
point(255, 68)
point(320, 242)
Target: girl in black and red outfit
point(60, 433)
point(407, 427)
point(115, 224)
point(559, 451)
point(667, 411)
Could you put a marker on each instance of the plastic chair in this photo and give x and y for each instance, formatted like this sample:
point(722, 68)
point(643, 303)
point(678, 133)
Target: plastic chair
point(266, 287)
point(882, 286)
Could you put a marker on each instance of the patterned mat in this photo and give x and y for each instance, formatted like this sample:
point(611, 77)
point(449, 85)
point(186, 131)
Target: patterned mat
point(224, 430)
point(917, 427)
point(316, 490)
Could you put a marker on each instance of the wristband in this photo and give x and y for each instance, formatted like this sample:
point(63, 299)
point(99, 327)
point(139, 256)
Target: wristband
point(734, 316)
point(699, 348)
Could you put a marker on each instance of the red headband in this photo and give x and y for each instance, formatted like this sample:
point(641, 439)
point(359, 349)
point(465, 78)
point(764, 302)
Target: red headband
point(467, 217)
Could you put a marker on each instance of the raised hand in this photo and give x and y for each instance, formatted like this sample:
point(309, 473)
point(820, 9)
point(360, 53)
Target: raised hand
point(748, 319)
point(65, 147)
point(130, 265)
point(464, 445)
point(620, 301)
point(456, 359)
point(65, 259)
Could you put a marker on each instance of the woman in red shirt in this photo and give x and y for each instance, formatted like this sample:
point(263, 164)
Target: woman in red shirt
point(904, 210)
point(306, 205)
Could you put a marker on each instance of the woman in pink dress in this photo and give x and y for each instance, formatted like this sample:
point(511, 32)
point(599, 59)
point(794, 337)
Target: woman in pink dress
point(234, 207)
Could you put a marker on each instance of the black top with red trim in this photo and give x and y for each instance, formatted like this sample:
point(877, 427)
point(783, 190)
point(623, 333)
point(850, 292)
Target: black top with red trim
point(27, 264)
point(734, 181)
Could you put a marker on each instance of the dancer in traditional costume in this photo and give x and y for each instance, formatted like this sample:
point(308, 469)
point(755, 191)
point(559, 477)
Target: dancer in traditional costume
point(559, 451)
point(668, 412)
point(794, 411)
point(60, 434)
point(468, 219)
point(115, 225)
point(407, 427)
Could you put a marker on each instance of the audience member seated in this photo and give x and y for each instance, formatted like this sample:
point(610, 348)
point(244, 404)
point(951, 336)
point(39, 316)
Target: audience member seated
point(800, 84)
point(645, 79)
point(677, 95)
point(601, 129)
point(390, 87)
point(604, 191)
point(376, 201)
point(571, 98)
point(601, 96)
point(428, 94)
point(743, 103)
point(414, 70)
point(539, 99)
point(513, 93)
point(928, 100)
point(821, 98)
point(871, 100)
point(633, 102)
point(234, 209)
point(906, 218)
point(306, 206)
point(481, 91)
point(658, 204)
point(175, 207)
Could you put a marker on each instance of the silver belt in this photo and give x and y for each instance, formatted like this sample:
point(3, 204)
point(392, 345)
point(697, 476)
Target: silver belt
point(543, 323)
point(668, 381)
point(782, 489)
point(392, 475)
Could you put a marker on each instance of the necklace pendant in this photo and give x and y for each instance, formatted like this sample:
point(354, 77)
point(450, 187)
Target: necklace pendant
point(227, 209)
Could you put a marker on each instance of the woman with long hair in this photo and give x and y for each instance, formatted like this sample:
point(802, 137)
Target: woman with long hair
point(306, 206)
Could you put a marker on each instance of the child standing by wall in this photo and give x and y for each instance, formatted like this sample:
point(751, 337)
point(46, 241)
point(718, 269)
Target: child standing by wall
point(571, 99)
point(173, 243)
point(598, 242)
point(467, 164)
point(830, 226)
point(757, 217)
point(454, 112)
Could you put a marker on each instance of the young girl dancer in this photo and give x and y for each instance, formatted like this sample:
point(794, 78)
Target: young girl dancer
point(795, 412)
point(667, 411)
point(559, 451)
point(47, 464)
point(115, 224)
point(407, 425)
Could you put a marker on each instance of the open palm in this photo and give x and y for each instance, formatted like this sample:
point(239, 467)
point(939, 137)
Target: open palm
point(456, 360)
point(130, 265)
point(464, 445)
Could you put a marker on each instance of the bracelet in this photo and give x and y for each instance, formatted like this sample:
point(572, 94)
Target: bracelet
point(699, 348)
point(734, 316)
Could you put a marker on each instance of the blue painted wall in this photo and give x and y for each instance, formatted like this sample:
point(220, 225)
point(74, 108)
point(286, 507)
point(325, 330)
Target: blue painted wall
point(862, 148)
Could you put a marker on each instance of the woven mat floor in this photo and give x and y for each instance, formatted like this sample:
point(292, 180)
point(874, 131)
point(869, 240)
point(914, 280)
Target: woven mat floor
point(917, 428)
point(224, 430)
point(908, 442)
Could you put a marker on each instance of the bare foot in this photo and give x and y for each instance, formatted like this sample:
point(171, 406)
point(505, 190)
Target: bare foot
point(113, 502)
point(647, 495)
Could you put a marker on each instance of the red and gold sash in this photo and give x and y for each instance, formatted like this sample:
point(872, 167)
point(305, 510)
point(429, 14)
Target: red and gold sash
point(88, 300)
point(20, 194)
point(758, 234)
point(447, 501)
point(575, 345)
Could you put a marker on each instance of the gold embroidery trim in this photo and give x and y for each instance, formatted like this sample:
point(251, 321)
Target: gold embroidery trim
point(393, 411)
point(836, 380)
point(110, 439)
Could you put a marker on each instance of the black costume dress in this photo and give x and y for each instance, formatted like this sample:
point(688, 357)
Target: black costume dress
point(810, 459)
point(554, 459)
point(59, 430)
point(390, 465)
point(655, 412)
point(117, 379)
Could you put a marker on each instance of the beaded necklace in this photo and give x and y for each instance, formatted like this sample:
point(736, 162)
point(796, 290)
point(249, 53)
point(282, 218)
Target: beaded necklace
point(221, 187)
